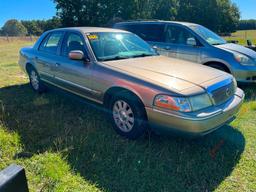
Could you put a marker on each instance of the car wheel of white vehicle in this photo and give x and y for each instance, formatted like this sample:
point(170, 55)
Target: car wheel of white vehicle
point(128, 116)
point(35, 81)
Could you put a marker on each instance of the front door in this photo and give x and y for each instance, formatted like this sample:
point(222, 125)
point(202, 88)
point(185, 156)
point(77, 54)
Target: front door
point(187, 46)
point(74, 75)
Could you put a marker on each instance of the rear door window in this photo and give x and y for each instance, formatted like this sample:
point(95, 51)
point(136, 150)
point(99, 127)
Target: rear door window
point(148, 32)
point(51, 43)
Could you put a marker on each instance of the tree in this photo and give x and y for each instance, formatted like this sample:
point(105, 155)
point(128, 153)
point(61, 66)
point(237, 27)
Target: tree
point(90, 12)
point(37, 27)
point(218, 15)
point(52, 23)
point(32, 27)
point(247, 24)
point(100, 12)
point(14, 28)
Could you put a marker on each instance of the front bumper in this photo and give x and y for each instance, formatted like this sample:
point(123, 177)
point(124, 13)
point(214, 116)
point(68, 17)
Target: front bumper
point(199, 123)
point(247, 75)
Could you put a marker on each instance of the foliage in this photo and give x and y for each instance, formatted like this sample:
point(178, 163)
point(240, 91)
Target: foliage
point(14, 28)
point(29, 27)
point(37, 27)
point(218, 15)
point(247, 24)
point(33, 27)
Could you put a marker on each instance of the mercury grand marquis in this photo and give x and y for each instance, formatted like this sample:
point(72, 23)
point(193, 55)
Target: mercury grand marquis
point(139, 87)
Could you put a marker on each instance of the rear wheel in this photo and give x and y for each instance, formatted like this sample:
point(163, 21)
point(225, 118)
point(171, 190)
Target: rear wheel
point(35, 81)
point(128, 115)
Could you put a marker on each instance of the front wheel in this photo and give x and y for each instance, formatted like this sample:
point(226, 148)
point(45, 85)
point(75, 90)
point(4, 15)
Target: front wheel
point(35, 82)
point(219, 67)
point(128, 116)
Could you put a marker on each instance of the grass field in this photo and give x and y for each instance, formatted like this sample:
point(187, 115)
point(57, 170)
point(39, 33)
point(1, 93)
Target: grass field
point(68, 145)
point(242, 36)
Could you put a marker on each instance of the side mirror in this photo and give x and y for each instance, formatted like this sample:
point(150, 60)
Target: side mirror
point(155, 48)
point(191, 41)
point(76, 55)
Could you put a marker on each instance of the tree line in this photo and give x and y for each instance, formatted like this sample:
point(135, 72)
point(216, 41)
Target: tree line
point(221, 16)
point(247, 24)
point(14, 27)
point(218, 15)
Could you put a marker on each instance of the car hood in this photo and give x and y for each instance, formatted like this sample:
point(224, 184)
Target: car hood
point(183, 76)
point(239, 49)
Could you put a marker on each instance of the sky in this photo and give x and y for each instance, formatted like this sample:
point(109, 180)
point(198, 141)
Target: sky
point(247, 8)
point(26, 10)
point(45, 9)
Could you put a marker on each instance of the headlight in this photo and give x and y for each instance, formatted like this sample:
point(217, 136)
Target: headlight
point(243, 59)
point(200, 102)
point(172, 103)
point(235, 83)
point(183, 104)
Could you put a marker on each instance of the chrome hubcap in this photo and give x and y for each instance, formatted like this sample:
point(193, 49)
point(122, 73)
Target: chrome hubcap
point(34, 80)
point(123, 116)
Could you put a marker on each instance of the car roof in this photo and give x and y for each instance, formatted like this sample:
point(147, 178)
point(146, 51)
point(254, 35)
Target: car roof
point(90, 29)
point(156, 21)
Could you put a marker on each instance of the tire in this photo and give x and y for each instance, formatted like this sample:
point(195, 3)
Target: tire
point(128, 115)
point(219, 67)
point(35, 81)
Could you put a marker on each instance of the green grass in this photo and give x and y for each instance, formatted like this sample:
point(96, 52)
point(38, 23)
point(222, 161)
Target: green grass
point(68, 145)
point(242, 36)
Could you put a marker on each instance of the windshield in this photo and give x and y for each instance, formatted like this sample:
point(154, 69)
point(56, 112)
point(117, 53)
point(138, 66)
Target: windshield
point(113, 46)
point(208, 35)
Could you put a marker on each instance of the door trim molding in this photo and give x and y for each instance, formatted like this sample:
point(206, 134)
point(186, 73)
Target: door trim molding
point(66, 89)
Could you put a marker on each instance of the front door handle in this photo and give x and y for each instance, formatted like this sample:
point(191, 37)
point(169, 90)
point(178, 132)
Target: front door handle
point(167, 48)
point(42, 62)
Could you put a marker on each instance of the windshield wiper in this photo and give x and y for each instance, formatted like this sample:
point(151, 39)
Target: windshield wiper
point(143, 55)
point(218, 43)
point(114, 58)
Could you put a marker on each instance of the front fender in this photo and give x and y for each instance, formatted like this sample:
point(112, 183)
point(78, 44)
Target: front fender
point(217, 60)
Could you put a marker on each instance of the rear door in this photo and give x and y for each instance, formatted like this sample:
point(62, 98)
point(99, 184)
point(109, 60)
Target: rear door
point(48, 55)
point(154, 34)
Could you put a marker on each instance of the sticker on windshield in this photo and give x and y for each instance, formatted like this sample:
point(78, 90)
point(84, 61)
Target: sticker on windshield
point(92, 37)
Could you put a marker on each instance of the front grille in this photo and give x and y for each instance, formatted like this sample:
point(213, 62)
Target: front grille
point(223, 94)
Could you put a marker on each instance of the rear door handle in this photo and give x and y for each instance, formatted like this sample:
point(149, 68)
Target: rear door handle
point(38, 60)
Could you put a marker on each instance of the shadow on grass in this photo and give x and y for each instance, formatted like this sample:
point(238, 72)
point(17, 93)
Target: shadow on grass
point(55, 121)
point(249, 89)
